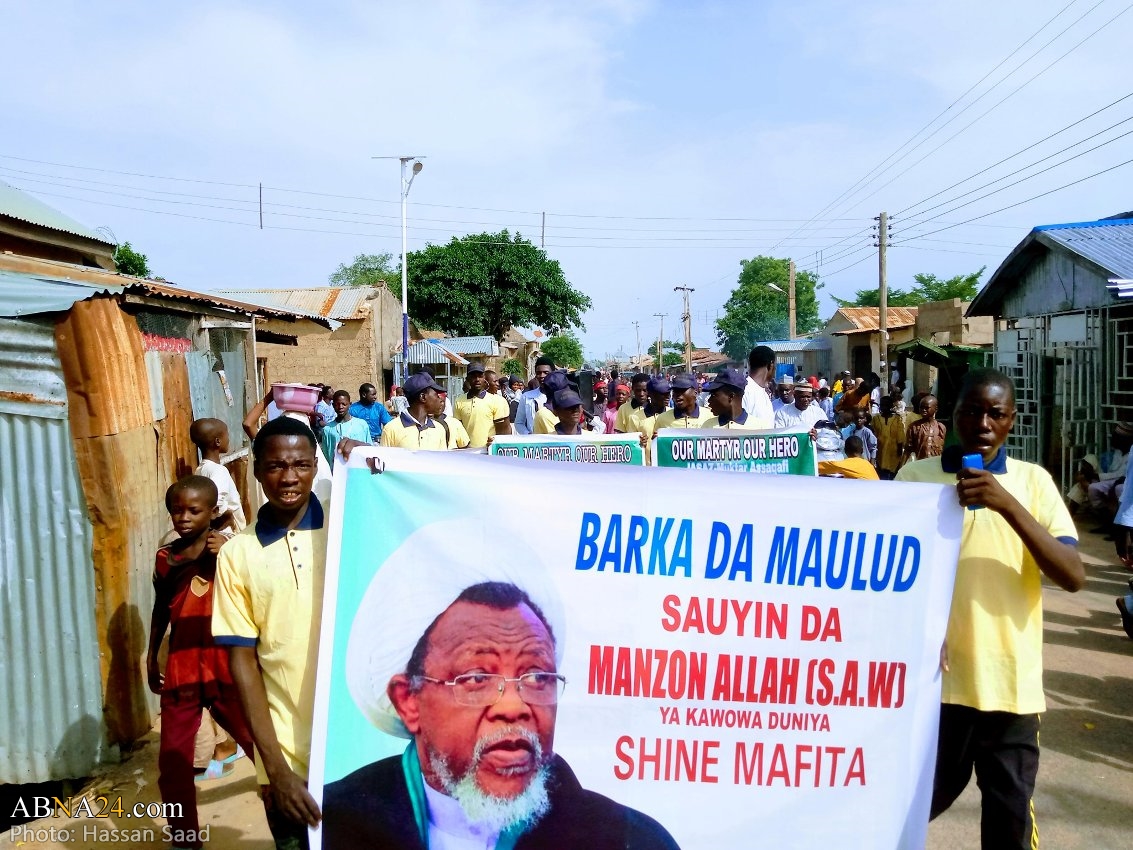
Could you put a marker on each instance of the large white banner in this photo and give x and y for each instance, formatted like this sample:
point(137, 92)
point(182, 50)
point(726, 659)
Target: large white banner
point(751, 661)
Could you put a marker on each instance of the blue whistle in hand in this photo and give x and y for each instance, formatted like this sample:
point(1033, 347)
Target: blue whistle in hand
point(974, 461)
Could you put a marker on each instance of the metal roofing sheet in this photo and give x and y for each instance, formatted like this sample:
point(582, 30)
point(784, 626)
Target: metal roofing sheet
point(1108, 244)
point(426, 352)
point(868, 318)
point(27, 295)
point(151, 287)
point(18, 204)
point(784, 346)
point(30, 285)
point(51, 723)
point(342, 303)
point(483, 345)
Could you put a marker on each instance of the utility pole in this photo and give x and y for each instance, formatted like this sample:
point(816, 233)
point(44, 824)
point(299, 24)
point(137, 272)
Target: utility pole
point(791, 300)
point(661, 345)
point(543, 232)
point(688, 326)
point(883, 298)
point(637, 330)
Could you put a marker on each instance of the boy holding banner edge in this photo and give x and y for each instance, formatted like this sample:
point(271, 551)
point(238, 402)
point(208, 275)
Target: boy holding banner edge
point(992, 684)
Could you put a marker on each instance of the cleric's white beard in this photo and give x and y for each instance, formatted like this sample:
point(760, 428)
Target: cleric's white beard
point(488, 810)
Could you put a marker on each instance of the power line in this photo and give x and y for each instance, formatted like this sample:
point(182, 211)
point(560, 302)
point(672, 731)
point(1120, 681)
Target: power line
point(369, 199)
point(1016, 183)
point(1026, 200)
point(253, 205)
point(869, 175)
point(997, 104)
point(1024, 150)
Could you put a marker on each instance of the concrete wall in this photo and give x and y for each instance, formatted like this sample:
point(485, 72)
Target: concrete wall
point(943, 322)
point(343, 358)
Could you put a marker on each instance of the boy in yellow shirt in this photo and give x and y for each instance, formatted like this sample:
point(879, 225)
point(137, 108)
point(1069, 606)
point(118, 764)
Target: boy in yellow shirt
point(686, 411)
point(415, 427)
point(992, 683)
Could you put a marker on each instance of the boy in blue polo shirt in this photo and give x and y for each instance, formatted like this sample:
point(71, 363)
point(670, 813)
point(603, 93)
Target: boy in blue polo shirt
point(992, 683)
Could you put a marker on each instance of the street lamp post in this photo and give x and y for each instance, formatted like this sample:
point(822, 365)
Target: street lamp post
point(417, 165)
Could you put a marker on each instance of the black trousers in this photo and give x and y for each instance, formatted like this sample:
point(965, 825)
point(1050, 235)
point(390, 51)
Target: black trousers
point(1003, 749)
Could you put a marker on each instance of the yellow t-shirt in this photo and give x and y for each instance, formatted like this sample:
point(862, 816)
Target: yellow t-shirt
point(629, 418)
point(479, 414)
point(890, 439)
point(671, 419)
point(749, 424)
point(995, 628)
point(545, 421)
point(398, 434)
point(457, 436)
point(851, 467)
point(269, 594)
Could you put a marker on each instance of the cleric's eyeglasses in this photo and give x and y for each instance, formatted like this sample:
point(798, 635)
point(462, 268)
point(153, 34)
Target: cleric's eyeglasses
point(484, 689)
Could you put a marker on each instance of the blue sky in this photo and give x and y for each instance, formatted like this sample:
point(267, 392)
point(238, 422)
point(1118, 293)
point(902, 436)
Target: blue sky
point(665, 141)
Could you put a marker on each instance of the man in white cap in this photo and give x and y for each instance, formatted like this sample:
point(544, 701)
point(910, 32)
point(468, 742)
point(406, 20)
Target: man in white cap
point(467, 672)
point(803, 414)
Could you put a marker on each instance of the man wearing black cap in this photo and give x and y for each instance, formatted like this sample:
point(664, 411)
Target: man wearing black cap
point(481, 413)
point(532, 400)
point(725, 398)
point(686, 412)
point(415, 427)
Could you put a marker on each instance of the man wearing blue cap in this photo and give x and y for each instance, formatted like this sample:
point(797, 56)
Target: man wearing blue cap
point(568, 410)
point(686, 411)
point(659, 389)
point(415, 427)
point(725, 398)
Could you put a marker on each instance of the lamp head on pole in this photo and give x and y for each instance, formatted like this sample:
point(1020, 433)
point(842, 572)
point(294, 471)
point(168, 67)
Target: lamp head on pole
point(417, 166)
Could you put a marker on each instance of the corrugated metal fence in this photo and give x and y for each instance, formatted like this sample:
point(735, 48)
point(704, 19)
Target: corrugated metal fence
point(51, 722)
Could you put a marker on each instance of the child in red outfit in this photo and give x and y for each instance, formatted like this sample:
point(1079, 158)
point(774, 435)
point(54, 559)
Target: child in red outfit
point(196, 672)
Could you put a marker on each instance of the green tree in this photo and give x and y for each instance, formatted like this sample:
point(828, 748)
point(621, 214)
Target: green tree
point(565, 349)
point(962, 286)
point(674, 352)
point(487, 282)
point(367, 270)
point(928, 288)
point(755, 312)
point(514, 368)
point(872, 298)
point(129, 261)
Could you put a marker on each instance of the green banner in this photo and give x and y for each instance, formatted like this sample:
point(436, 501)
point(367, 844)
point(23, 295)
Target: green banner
point(770, 452)
point(596, 448)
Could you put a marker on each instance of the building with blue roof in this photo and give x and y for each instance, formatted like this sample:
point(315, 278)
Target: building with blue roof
point(1064, 312)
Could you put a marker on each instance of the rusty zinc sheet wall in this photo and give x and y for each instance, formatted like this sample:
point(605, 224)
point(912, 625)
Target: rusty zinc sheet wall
point(116, 444)
point(51, 723)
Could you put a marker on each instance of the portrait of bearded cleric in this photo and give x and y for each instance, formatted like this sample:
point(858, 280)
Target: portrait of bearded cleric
point(463, 663)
